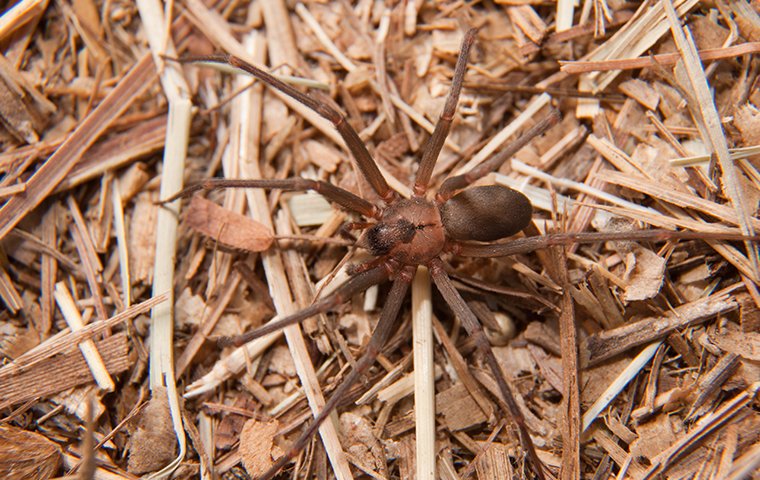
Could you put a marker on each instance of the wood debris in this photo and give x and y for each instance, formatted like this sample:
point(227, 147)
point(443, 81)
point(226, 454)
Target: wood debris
point(27, 454)
point(230, 229)
point(635, 359)
point(151, 441)
point(257, 448)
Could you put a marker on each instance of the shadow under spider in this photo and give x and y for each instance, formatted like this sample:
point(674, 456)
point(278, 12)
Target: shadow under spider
point(403, 234)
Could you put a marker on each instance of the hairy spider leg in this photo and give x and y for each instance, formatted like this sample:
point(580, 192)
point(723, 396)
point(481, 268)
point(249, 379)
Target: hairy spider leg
point(475, 330)
point(379, 337)
point(530, 244)
point(357, 283)
point(364, 161)
point(342, 197)
point(442, 128)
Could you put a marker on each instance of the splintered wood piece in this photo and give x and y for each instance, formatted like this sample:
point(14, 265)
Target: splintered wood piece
point(25, 454)
point(141, 238)
point(709, 386)
point(20, 120)
point(571, 426)
point(61, 372)
point(529, 22)
point(257, 448)
point(458, 408)
point(642, 92)
point(228, 228)
point(8, 292)
point(494, 462)
point(750, 315)
point(607, 344)
point(619, 455)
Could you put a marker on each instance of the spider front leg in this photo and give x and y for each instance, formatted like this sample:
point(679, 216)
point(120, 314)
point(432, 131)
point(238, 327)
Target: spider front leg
point(475, 330)
point(364, 161)
point(342, 197)
point(452, 184)
point(434, 145)
point(379, 337)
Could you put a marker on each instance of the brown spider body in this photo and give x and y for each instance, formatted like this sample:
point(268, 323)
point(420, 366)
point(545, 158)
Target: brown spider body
point(406, 233)
point(403, 234)
point(414, 231)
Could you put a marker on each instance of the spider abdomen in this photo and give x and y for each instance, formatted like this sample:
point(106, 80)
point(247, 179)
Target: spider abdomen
point(486, 213)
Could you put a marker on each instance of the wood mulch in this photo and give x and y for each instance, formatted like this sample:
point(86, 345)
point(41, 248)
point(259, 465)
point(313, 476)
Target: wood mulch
point(629, 359)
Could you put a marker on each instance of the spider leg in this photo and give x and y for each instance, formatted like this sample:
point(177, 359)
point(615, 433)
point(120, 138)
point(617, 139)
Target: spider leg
point(349, 288)
point(342, 197)
point(441, 131)
point(363, 159)
point(470, 323)
point(529, 244)
point(452, 184)
point(381, 334)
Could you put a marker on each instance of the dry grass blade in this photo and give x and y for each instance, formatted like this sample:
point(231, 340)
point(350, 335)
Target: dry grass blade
point(162, 377)
point(690, 69)
point(424, 375)
point(54, 170)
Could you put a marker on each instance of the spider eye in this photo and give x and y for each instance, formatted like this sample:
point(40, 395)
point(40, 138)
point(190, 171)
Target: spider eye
point(486, 213)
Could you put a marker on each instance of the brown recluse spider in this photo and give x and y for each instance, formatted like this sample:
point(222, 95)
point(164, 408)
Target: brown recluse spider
point(407, 233)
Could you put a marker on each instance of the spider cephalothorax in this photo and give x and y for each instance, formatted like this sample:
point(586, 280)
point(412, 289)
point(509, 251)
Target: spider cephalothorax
point(410, 231)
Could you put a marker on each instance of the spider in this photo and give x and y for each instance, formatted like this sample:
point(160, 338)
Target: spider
point(403, 234)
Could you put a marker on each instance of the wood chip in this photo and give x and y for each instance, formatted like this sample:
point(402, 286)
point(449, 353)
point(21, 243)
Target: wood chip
point(642, 92)
point(494, 463)
point(645, 273)
point(60, 372)
point(257, 448)
point(152, 442)
point(458, 408)
point(228, 228)
point(141, 238)
point(25, 454)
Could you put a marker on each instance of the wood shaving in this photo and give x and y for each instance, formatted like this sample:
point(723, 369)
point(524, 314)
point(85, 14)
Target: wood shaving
point(89, 103)
point(257, 448)
point(228, 228)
